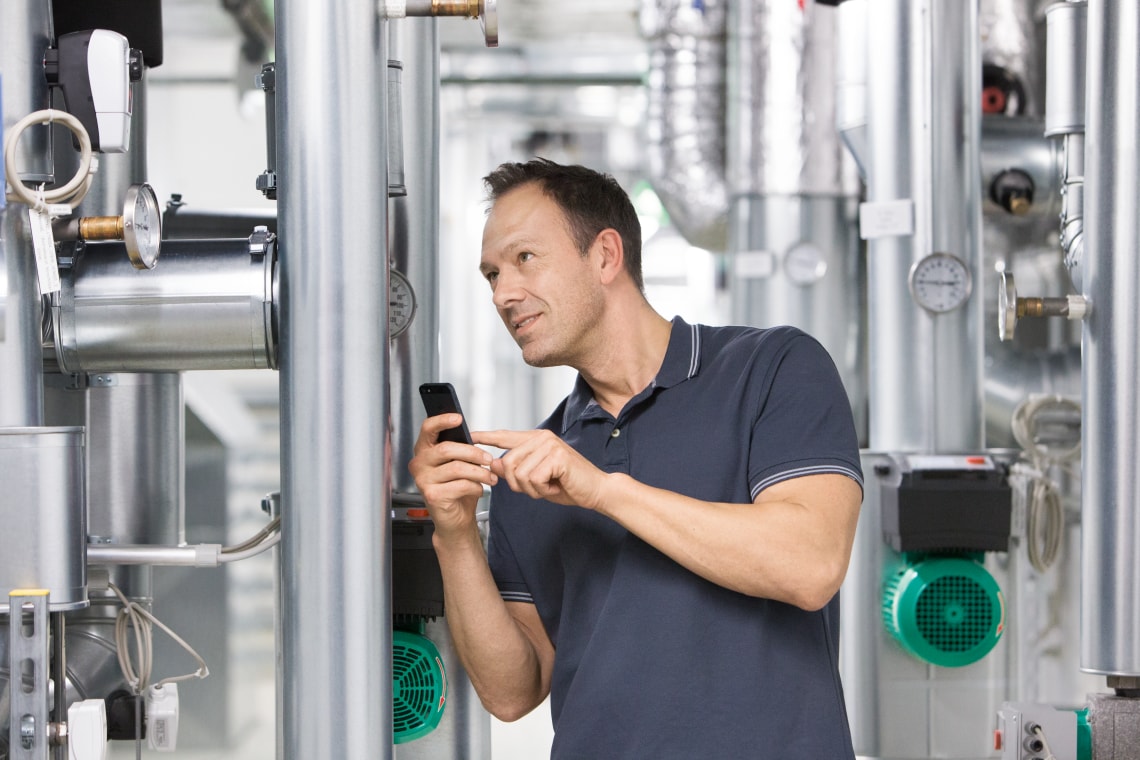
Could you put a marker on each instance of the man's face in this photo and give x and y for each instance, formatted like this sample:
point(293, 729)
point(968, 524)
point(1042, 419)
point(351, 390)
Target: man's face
point(547, 293)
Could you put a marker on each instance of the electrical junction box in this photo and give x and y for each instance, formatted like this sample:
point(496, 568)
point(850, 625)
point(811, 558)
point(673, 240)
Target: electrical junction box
point(1029, 731)
point(945, 502)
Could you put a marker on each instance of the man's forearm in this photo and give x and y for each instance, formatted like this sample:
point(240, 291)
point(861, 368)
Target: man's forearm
point(498, 654)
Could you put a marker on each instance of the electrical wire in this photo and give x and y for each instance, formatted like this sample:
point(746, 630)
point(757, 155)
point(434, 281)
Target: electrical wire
point(1040, 732)
point(70, 193)
point(274, 526)
point(1044, 513)
point(135, 618)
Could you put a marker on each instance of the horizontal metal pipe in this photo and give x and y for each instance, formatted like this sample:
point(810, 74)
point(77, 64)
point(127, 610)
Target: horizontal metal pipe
point(207, 305)
point(199, 555)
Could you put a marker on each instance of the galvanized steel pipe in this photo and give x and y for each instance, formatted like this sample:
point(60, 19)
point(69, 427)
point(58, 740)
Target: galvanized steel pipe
point(923, 134)
point(1110, 523)
point(336, 603)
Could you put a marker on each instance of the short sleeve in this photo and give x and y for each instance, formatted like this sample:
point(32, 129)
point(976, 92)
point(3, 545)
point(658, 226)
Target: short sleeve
point(504, 565)
point(804, 425)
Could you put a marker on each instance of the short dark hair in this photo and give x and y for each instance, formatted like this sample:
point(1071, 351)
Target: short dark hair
point(591, 201)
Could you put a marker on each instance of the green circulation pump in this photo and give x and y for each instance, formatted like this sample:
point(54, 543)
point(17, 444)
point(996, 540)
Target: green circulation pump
point(419, 686)
point(948, 611)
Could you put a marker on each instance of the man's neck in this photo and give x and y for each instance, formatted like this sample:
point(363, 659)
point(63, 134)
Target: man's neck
point(629, 360)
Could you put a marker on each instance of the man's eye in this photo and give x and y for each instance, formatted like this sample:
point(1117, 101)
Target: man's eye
point(491, 277)
point(525, 256)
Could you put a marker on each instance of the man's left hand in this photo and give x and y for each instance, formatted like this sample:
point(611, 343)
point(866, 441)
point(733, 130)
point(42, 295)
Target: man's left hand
point(543, 466)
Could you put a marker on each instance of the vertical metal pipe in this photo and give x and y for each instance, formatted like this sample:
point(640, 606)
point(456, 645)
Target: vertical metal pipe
point(336, 629)
point(25, 26)
point(923, 134)
point(1110, 525)
point(414, 246)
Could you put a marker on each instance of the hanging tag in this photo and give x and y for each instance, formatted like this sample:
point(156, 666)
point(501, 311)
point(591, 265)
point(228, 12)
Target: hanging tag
point(47, 268)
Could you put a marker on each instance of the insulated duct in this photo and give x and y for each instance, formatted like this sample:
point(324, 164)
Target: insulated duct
point(686, 115)
point(792, 186)
point(923, 198)
point(1110, 521)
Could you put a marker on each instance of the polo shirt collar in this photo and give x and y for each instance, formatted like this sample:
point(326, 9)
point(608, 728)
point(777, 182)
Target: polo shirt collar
point(682, 361)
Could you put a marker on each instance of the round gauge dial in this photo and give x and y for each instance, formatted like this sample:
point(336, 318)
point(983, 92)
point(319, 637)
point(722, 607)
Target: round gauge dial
point(804, 264)
point(142, 226)
point(401, 304)
point(940, 282)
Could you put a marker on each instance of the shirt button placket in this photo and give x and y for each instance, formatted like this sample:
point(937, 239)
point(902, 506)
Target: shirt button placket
point(617, 455)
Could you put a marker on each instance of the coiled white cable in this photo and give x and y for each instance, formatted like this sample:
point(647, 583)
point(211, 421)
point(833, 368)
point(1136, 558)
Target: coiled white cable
point(74, 190)
point(1044, 514)
point(137, 618)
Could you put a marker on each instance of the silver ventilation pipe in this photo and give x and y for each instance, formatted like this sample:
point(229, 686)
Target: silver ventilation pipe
point(923, 199)
point(1110, 522)
point(335, 669)
point(686, 115)
point(792, 187)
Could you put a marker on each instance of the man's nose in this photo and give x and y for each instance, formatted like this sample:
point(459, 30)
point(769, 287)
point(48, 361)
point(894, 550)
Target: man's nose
point(508, 290)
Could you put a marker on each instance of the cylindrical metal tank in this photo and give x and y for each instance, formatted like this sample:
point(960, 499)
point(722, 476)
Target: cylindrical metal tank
point(1110, 527)
point(207, 305)
point(43, 541)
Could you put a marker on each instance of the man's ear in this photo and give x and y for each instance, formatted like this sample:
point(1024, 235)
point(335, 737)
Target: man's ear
point(609, 245)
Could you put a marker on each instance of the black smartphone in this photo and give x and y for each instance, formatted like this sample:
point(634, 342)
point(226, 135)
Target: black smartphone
point(440, 398)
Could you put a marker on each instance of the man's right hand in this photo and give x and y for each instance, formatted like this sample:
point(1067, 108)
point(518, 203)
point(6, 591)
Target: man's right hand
point(450, 476)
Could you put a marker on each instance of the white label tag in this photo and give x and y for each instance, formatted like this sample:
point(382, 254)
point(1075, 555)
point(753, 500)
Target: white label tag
point(47, 267)
point(754, 265)
point(886, 219)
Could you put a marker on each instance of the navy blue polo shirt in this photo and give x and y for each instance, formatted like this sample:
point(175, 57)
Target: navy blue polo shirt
point(653, 661)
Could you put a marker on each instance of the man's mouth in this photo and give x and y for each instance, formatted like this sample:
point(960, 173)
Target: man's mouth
point(525, 322)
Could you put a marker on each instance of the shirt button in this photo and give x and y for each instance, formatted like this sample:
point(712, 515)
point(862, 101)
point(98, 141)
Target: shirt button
point(615, 432)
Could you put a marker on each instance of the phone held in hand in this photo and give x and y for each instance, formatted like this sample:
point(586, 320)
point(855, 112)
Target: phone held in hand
point(440, 398)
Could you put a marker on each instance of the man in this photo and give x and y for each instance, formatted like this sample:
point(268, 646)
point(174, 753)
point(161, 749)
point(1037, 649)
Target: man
point(665, 552)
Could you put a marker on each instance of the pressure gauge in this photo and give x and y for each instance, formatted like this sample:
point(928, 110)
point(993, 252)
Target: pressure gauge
point(804, 264)
point(940, 282)
point(401, 304)
point(142, 226)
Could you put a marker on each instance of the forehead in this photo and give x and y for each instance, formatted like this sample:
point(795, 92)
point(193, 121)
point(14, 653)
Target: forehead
point(523, 217)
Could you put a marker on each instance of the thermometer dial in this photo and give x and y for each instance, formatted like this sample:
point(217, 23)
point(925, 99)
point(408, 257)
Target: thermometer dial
point(401, 304)
point(142, 226)
point(940, 282)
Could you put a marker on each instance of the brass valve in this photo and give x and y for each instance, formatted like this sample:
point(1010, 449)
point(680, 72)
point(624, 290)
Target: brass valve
point(1012, 308)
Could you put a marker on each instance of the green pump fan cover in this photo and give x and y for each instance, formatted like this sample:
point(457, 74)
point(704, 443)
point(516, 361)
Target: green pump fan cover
point(948, 611)
point(419, 686)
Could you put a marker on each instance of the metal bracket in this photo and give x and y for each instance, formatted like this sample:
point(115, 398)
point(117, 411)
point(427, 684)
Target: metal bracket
point(28, 647)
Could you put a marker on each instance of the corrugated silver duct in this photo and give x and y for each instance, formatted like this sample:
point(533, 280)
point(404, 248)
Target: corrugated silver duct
point(1110, 526)
point(686, 115)
point(923, 198)
point(335, 666)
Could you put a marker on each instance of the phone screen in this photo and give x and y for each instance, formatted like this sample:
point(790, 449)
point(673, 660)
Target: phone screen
point(440, 398)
